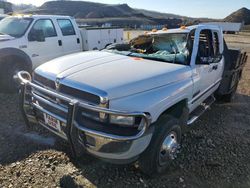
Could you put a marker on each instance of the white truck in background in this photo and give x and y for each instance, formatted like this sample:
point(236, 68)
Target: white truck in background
point(94, 38)
point(227, 27)
point(27, 41)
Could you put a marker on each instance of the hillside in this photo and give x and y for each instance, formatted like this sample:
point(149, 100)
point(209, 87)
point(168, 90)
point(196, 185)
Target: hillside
point(240, 15)
point(22, 7)
point(123, 15)
point(155, 14)
point(98, 13)
point(82, 9)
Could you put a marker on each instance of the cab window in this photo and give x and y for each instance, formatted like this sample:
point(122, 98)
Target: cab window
point(206, 50)
point(46, 26)
point(216, 44)
point(66, 27)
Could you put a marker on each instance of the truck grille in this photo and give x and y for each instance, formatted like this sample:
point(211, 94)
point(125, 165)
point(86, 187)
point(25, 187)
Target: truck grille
point(75, 93)
point(85, 96)
point(44, 81)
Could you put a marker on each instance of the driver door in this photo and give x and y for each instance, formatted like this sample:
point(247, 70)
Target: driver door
point(43, 51)
point(205, 69)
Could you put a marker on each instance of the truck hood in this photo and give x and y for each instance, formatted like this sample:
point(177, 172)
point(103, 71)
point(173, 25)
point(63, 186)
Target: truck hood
point(117, 75)
point(6, 37)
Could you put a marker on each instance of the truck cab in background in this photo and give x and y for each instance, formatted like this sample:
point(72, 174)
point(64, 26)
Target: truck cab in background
point(27, 41)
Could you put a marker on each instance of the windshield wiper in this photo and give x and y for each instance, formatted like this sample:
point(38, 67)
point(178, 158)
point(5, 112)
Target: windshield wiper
point(149, 57)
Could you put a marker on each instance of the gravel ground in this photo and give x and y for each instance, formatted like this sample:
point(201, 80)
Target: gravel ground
point(215, 152)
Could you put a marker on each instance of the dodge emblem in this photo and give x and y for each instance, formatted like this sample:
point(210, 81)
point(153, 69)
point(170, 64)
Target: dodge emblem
point(57, 83)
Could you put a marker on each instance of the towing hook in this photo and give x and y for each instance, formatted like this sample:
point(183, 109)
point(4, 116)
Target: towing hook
point(23, 77)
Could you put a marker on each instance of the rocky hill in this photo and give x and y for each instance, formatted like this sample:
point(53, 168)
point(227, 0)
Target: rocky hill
point(241, 15)
point(123, 15)
point(82, 9)
point(6, 6)
point(98, 13)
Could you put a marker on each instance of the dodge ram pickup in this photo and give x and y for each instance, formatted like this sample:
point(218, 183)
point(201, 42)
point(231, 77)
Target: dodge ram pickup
point(27, 41)
point(131, 102)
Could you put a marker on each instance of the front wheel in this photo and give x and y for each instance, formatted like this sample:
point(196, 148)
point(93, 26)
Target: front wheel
point(9, 70)
point(163, 147)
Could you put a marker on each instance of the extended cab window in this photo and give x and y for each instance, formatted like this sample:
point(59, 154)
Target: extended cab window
point(206, 48)
point(66, 27)
point(46, 26)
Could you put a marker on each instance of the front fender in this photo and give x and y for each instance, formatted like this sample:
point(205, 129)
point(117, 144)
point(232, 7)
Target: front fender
point(156, 101)
point(8, 52)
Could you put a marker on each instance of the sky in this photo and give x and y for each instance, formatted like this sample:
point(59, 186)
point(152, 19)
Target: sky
point(192, 8)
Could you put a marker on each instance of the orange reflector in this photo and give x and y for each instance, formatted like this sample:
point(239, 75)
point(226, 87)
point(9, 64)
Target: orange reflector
point(183, 27)
point(137, 58)
point(164, 29)
point(154, 30)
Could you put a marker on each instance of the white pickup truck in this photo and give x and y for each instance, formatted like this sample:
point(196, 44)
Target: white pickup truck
point(27, 41)
point(131, 102)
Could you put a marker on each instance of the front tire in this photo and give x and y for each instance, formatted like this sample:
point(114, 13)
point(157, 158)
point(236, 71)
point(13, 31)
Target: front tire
point(9, 70)
point(163, 147)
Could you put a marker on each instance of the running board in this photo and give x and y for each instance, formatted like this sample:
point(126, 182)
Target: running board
point(201, 109)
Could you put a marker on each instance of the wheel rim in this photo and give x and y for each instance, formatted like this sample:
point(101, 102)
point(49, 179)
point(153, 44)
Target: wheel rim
point(168, 148)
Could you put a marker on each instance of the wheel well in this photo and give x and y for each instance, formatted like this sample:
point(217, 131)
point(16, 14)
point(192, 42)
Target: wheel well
point(179, 111)
point(17, 56)
point(18, 59)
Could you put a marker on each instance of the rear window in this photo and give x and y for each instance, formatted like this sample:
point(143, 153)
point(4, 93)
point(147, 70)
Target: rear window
point(66, 27)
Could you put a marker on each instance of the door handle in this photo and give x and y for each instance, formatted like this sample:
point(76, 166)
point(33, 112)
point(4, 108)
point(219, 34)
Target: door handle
point(60, 42)
point(215, 67)
point(78, 41)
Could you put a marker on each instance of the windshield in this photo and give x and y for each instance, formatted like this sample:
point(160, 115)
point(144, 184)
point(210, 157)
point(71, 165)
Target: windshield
point(169, 47)
point(14, 26)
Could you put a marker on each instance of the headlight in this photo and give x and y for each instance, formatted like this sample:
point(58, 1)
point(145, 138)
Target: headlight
point(122, 120)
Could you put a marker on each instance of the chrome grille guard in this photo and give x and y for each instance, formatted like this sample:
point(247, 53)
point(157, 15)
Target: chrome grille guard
point(24, 79)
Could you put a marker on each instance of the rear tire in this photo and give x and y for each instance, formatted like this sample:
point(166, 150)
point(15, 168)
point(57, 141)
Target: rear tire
point(9, 70)
point(163, 147)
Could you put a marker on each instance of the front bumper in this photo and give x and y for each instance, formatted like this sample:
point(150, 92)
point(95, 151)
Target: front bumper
point(112, 147)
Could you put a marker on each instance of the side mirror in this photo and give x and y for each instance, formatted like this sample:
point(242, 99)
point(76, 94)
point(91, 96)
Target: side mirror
point(36, 35)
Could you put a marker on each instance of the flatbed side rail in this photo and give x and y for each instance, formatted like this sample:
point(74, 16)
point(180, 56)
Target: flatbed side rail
point(24, 79)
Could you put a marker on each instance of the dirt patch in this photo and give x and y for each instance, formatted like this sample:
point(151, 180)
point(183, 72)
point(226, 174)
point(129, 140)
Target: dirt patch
point(215, 153)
